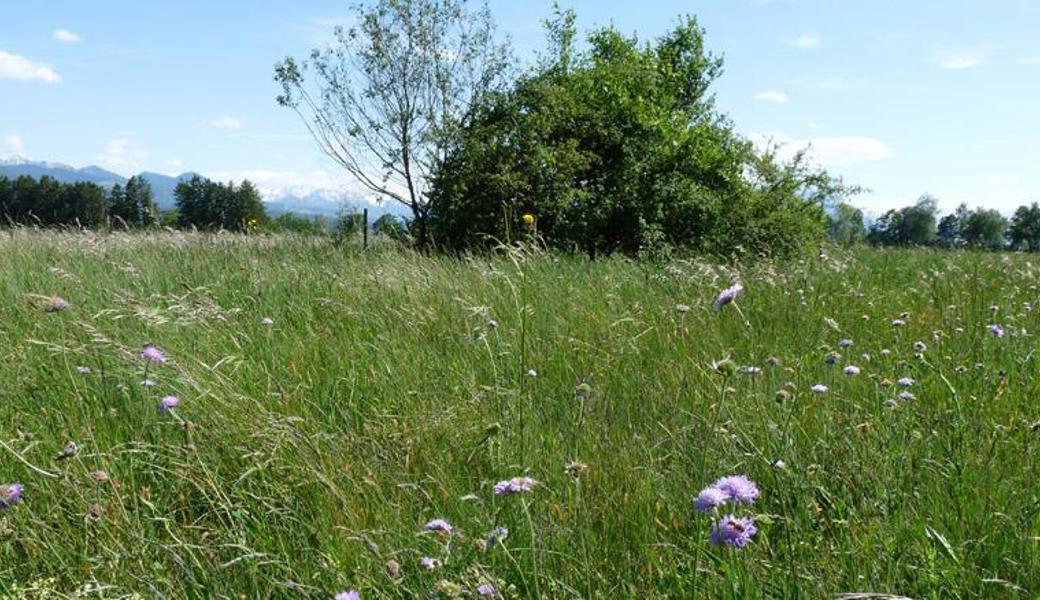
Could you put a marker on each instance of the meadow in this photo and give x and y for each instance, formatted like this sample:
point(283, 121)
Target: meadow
point(342, 419)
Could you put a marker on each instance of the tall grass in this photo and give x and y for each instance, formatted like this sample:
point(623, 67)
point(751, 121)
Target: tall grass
point(392, 389)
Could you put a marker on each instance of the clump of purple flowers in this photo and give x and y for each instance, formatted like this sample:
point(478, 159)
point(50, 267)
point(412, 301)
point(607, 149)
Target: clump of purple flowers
point(153, 354)
point(10, 494)
point(905, 381)
point(168, 402)
point(429, 563)
point(728, 295)
point(819, 388)
point(737, 489)
point(439, 526)
point(487, 590)
point(996, 330)
point(851, 370)
point(710, 498)
point(348, 595)
point(733, 531)
point(514, 486)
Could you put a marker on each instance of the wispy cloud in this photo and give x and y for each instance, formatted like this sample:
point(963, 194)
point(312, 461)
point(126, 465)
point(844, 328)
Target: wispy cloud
point(772, 96)
point(121, 157)
point(66, 36)
point(227, 123)
point(807, 42)
point(830, 152)
point(12, 144)
point(962, 60)
point(13, 66)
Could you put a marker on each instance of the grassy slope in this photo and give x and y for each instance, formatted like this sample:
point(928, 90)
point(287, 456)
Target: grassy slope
point(306, 455)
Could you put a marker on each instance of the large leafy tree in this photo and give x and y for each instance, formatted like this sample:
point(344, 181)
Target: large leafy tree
point(908, 226)
point(618, 146)
point(387, 99)
point(984, 228)
point(845, 224)
point(1024, 231)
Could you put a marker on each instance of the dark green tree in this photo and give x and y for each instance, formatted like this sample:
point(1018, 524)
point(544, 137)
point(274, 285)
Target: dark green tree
point(1024, 232)
point(908, 226)
point(845, 224)
point(984, 228)
point(948, 234)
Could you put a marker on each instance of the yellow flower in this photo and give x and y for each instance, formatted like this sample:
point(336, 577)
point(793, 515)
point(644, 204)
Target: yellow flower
point(528, 219)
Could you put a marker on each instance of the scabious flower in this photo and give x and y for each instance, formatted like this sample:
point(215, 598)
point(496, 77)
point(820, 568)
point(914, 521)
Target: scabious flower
point(728, 295)
point(920, 347)
point(55, 304)
point(153, 354)
point(168, 402)
point(498, 534)
point(149, 383)
point(83, 370)
point(832, 358)
point(532, 373)
point(905, 381)
point(738, 488)
point(487, 591)
point(267, 321)
point(733, 531)
point(851, 370)
point(906, 396)
point(429, 563)
point(10, 494)
point(710, 498)
point(750, 370)
point(845, 343)
point(348, 595)
point(514, 486)
point(819, 388)
point(885, 352)
point(996, 330)
point(898, 322)
point(439, 526)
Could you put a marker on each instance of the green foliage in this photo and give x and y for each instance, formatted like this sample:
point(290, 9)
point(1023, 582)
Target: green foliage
point(391, 226)
point(909, 226)
point(293, 223)
point(617, 146)
point(984, 228)
point(387, 99)
point(1024, 230)
point(49, 203)
point(845, 224)
point(390, 390)
point(349, 225)
point(204, 204)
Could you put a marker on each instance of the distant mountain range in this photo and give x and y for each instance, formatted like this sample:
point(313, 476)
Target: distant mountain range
point(313, 203)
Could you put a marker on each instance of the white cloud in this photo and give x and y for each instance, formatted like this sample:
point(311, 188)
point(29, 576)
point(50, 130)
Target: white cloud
point(807, 42)
point(962, 60)
point(772, 96)
point(13, 144)
point(64, 35)
point(830, 152)
point(120, 156)
point(13, 66)
point(227, 123)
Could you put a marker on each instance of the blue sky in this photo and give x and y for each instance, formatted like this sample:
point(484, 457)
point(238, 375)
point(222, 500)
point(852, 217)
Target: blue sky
point(903, 97)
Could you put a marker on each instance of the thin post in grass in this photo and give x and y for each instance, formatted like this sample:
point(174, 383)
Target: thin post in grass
point(364, 227)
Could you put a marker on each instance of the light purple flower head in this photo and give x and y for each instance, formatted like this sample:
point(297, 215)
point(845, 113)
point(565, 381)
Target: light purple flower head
point(898, 322)
point(439, 526)
point(497, 535)
point(83, 370)
point(267, 321)
point(514, 486)
point(710, 498)
point(733, 531)
point(487, 591)
point(348, 595)
point(738, 488)
point(906, 396)
point(149, 383)
point(851, 370)
point(905, 381)
point(728, 295)
point(819, 388)
point(153, 354)
point(10, 494)
point(429, 563)
point(168, 402)
point(996, 330)
point(920, 346)
point(845, 343)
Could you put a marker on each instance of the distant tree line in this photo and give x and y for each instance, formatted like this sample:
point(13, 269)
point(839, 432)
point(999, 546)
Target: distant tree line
point(205, 204)
point(48, 202)
point(920, 225)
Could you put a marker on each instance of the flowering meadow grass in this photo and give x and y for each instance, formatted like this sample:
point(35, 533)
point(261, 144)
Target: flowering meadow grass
point(189, 415)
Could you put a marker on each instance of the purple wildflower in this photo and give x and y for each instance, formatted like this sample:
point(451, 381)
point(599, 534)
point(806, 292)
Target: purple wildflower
point(819, 388)
point(487, 591)
point(429, 563)
point(906, 396)
point(149, 383)
point(920, 347)
point(845, 343)
point(851, 370)
point(514, 486)
point(905, 381)
point(898, 322)
point(439, 526)
point(153, 354)
point(10, 494)
point(83, 370)
point(497, 535)
point(728, 295)
point(710, 498)
point(733, 531)
point(738, 488)
point(267, 321)
point(996, 330)
point(168, 402)
point(349, 595)
point(55, 304)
